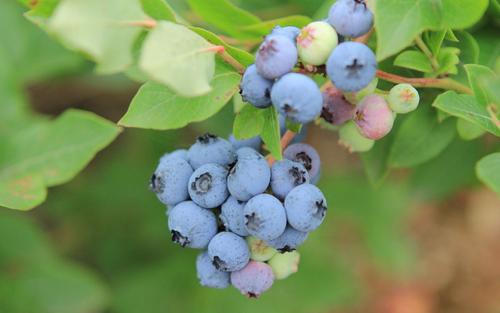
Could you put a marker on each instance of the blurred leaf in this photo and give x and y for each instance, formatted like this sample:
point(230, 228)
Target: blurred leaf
point(49, 154)
point(466, 107)
point(448, 60)
point(469, 49)
point(264, 28)
point(42, 8)
point(99, 28)
point(249, 122)
point(420, 138)
point(488, 171)
point(414, 60)
point(489, 46)
point(375, 161)
point(468, 131)
point(271, 132)
point(157, 107)
point(478, 74)
point(410, 18)
point(174, 55)
point(159, 10)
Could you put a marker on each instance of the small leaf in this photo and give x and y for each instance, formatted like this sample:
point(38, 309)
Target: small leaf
point(99, 29)
point(435, 40)
point(271, 132)
point(414, 60)
point(468, 131)
point(488, 171)
point(478, 74)
point(179, 58)
point(157, 107)
point(466, 107)
point(249, 122)
point(159, 10)
point(448, 60)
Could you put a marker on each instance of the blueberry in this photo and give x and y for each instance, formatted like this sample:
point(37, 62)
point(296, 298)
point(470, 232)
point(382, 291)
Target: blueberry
point(351, 66)
point(316, 42)
point(291, 32)
point(403, 98)
point(336, 109)
point(259, 249)
point(208, 185)
point(305, 207)
point(284, 265)
point(255, 89)
point(179, 153)
point(286, 175)
point(192, 226)
point(301, 136)
point(170, 179)
point(307, 156)
point(247, 153)
point(254, 142)
point(208, 275)
point(232, 216)
point(248, 177)
point(254, 279)
point(228, 252)
point(297, 97)
point(211, 149)
point(265, 217)
point(276, 56)
point(374, 117)
point(351, 138)
point(290, 240)
point(351, 18)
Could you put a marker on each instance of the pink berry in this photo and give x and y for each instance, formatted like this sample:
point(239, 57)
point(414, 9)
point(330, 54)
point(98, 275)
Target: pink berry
point(254, 279)
point(374, 117)
point(336, 109)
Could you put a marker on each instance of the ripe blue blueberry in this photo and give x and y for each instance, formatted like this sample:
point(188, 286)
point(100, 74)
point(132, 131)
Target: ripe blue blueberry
point(291, 32)
point(247, 153)
point(290, 240)
point(232, 216)
point(307, 156)
point(286, 175)
point(169, 180)
point(305, 207)
point(254, 279)
point(208, 185)
point(228, 252)
point(276, 56)
point(208, 275)
point(248, 177)
point(265, 217)
point(255, 89)
point(211, 149)
point(179, 153)
point(254, 142)
point(351, 66)
point(192, 226)
point(297, 97)
point(351, 18)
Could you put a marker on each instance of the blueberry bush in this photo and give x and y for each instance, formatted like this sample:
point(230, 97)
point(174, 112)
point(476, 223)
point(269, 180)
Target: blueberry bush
point(410, 89)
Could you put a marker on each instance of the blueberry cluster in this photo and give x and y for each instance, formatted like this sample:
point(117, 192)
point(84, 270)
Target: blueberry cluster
point(247, 216)
point(287, 57)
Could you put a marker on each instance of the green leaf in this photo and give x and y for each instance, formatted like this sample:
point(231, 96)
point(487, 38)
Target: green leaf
point(271, 132)
point(468, 131)
point(478, 75)
point(469, 49)
point(158, 107)
point(488, 171)
point(249, 122)
point(49, 154)
point(420, 138)
point(179, 58)
point(42, 8)
point(264, 28)
point(414, 60)
point(240, 55)
point(375, 161)
point(399, 22)
point(489, 45)
point(224, 16)
point(435, 40)
point(466, 107)
point(99, 29)
point(448, 60)
point(159, 10)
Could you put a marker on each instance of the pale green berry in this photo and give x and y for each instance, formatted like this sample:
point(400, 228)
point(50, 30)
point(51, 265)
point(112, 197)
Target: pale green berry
point(316, 42)
point(259, 250)
point(356, 97)
point(351, 138)
point(403, 98)
point(285, 264)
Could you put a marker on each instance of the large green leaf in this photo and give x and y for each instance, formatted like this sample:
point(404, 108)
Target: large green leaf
point(271, 132)
point(157, 107)
point(398, 22)
point(159, 10)
point(466, 107)
point(176, 56)
point(100, 29)
point(48, 154)
point(488, 171)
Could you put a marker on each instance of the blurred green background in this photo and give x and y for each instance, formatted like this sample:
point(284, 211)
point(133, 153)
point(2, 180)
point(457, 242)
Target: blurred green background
point(427, 240)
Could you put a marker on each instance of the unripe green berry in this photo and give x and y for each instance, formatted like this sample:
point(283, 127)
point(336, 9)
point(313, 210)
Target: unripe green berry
point(403, 98)
point(351, 138)
point(356, 97)
point(259, 250)
point(316, 42)
point(285, 264)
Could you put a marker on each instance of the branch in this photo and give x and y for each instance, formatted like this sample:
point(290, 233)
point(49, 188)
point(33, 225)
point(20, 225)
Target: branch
point(284, 142)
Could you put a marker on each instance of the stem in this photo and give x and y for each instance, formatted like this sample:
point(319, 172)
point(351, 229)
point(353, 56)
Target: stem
point(441, 83)
point(145, 23)
point(284, 142)
point(221, 51)
point(421, 44)
point(492, 110)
